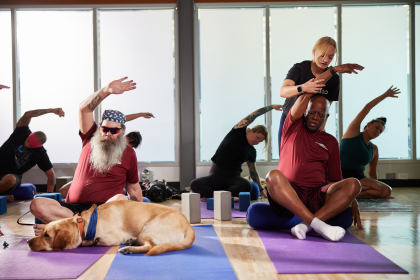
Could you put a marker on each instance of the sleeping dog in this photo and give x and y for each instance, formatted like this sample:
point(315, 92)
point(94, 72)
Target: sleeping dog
point(146, 227)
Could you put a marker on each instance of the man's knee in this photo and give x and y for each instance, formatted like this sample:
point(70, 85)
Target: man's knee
point(273, 179)
point(117, 197)
point(9, 181)
point(36, 206)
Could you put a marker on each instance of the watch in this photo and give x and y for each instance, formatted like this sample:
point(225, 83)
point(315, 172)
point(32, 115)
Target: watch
point(332, 70)
point(299, 89)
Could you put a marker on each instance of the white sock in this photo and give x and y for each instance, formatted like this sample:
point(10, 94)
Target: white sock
point(300, 230)
point(332, 233)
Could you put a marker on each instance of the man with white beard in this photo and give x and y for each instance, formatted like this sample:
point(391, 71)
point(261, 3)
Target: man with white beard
point(105, 166)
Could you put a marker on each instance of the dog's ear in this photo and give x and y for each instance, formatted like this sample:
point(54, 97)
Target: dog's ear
point(61, 240)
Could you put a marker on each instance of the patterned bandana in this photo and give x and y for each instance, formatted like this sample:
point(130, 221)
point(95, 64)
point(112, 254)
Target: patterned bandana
point(33, 141)
point(113, 116)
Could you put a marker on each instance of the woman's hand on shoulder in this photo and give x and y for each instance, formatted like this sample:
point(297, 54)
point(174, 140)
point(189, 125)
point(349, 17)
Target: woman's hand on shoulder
point(313, 86)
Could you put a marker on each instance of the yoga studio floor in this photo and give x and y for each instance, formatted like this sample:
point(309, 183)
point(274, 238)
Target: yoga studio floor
point(393, 234)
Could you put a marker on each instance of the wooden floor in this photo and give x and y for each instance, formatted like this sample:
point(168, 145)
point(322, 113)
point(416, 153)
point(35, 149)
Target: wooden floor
point(394, 234)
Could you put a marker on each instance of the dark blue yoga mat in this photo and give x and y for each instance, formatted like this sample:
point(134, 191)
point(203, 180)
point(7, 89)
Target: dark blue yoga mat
point(205, 259)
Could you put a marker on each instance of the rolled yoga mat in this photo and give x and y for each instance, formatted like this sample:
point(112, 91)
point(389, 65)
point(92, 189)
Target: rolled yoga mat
point(19, 262)
point(205, 259)
point(290, 255)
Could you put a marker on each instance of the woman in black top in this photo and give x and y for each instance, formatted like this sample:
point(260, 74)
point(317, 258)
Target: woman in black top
point(235, 149)
point(314, 76)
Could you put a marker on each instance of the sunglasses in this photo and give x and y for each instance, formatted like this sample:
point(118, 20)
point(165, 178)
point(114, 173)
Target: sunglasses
point(112, 130)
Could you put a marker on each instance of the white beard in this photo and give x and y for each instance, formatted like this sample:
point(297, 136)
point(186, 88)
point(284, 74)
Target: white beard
point(104, 155)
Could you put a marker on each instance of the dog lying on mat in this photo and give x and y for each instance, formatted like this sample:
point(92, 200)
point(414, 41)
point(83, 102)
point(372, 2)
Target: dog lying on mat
point(146, 227)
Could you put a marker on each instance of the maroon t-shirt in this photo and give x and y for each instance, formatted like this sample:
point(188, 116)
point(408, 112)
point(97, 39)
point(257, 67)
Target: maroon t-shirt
point(91, 186)
point(308, 159)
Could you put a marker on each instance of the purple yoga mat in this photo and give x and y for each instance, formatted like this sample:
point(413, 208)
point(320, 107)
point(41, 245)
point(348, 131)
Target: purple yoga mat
point(209, 214)
point(19, 262)
point(290, 255)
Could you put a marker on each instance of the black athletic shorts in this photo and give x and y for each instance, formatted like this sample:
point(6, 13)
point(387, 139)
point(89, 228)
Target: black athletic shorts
point(347, 173)
point(18, 182)
point(78, 207)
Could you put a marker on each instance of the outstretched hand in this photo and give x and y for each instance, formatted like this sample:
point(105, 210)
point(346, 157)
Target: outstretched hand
point(356, 214)
point(392, 92)
point(119, 86)
point(348, 68)
point(277, 107)
point(3, 86)
point(59, 112)
point(147, 115)
point(313, 86)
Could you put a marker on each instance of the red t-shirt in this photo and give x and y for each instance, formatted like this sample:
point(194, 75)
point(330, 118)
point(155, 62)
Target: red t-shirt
point(91, 186)
point(308, 159)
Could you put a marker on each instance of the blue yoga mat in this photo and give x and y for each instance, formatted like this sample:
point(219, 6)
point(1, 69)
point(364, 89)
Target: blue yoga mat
point(205, 259)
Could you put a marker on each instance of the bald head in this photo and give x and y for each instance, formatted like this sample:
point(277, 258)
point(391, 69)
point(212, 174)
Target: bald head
point(316, 113)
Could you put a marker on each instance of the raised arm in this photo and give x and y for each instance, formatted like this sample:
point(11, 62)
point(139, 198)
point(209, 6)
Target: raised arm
point(354, 127)
point(251, 117)
point(26, 118)
point(131, 117)
point(88, 105)
point(299, 108)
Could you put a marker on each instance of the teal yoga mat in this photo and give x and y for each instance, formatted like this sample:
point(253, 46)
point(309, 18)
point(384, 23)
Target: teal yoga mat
point(205, 259)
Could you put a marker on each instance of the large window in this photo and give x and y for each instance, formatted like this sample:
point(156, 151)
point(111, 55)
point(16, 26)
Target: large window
point(56, 70)
point(385, 54)
point(292, 42)
point(6, 95)
point(140, 44)
point(231, 73)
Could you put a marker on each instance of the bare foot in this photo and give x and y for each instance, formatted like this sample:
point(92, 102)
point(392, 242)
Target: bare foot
point(38, 229)
point(10, 198)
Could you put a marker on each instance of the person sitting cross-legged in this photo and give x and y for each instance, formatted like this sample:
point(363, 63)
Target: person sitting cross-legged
point(308, 182)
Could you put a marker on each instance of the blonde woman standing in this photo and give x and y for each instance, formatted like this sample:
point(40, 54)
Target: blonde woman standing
point(314, 76)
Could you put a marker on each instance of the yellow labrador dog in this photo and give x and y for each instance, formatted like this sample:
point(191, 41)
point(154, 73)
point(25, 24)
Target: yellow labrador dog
point(147, 227)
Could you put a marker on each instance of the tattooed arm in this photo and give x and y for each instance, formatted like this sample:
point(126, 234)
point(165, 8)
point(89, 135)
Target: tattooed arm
point(251, 117)
point(26, 118)
point(88, 105)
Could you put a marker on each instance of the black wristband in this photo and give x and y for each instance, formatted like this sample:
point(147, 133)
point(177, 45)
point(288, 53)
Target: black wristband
point(332, 70)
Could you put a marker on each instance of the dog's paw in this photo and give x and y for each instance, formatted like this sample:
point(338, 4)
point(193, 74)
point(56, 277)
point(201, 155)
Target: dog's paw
point(125, 251)
point(131, 242)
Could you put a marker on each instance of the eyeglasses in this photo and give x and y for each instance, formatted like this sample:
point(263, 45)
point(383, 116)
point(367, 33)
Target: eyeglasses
point(112, 130)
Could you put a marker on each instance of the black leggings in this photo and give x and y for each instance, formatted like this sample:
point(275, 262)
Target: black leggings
point(220, 180)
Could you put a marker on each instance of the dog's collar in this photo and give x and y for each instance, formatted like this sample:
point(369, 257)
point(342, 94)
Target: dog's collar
point(91, 231)
point(81, 226)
